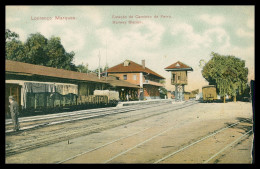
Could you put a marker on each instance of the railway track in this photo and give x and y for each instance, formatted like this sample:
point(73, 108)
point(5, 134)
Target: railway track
point(50, 116)
point(228, 146)
point(59, 118)
point(203, 139)
point(179, 150)
point(65, 134)
point(175, 153)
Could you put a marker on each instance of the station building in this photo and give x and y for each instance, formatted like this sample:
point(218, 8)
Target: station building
point(33, 86)
point(147, 80)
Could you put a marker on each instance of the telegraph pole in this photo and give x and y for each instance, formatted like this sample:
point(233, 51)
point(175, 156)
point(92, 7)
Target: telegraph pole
point(99, 65)
point(87, 67)
point(106, 60)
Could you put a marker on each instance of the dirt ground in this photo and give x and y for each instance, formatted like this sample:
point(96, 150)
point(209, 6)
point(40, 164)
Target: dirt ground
point(151, 139)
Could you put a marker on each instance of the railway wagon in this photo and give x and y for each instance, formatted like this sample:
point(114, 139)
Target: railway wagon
point(35, 98)
point(112, 96)
point(209, 93)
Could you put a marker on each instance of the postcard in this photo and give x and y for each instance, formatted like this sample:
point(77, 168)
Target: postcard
point(129, 84)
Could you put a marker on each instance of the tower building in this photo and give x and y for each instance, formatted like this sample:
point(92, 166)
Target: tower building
point(179, 78)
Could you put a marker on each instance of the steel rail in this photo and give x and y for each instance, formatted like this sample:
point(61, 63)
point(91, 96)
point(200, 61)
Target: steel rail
point(227, 146)
point(167, 110)
point(49, 116)
point(93, 149)
point(162, 132)
point(208, 136)
point(45, 141)
point(85, 115)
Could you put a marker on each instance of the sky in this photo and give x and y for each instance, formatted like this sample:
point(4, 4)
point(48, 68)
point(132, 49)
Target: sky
point(160, 35)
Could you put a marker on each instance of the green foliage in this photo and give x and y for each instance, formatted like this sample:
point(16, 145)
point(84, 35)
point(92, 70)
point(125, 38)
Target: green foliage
point(163, 90)
point(96, 70)
point(39, 50)
point(9, 35)
point(228, 73)
point(162, 81)
point(83, 68)
point(36, 49)
point(106, 67)
point(15, 50)
point(57, 55)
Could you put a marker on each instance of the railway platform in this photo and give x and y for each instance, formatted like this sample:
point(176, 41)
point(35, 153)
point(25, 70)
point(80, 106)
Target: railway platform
point(143, 102)
point(33, 122)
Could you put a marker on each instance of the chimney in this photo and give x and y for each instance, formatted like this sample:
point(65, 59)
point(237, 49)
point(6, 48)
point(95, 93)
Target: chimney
point(143, 63)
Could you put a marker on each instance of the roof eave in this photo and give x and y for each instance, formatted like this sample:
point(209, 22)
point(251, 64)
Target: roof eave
point(178, 69)
point(40, 75)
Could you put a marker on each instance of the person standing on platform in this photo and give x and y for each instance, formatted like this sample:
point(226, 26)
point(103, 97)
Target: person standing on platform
point(14, 110)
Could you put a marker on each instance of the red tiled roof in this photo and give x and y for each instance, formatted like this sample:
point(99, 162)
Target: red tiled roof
point(178, 65)
point(20, 67)
point(132, 67)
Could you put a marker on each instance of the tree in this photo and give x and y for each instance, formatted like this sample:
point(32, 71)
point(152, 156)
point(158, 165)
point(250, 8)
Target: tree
point(36, 49)
point(57, 55)
point(9, 35)
point(105, 69)
point(83, 68)
point(163, 92)
point(228, 73)
point(15, 50)
point(96, 70)
point(39, 50)
point(68, 63)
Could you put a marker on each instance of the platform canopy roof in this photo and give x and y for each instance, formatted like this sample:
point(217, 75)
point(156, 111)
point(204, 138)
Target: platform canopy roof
point(178, 66)
point(114, 81)
point(21, 68)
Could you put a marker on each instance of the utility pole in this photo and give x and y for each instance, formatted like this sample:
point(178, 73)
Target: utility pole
point(87, 67)
point(99, 65)
point(106, 60)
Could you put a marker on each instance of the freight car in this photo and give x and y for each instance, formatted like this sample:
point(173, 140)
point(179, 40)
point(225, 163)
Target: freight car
point(37, 98)
point(209, 93)
point(112, 96)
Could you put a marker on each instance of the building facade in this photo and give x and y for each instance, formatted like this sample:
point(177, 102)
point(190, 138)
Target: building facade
point(147, 80)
